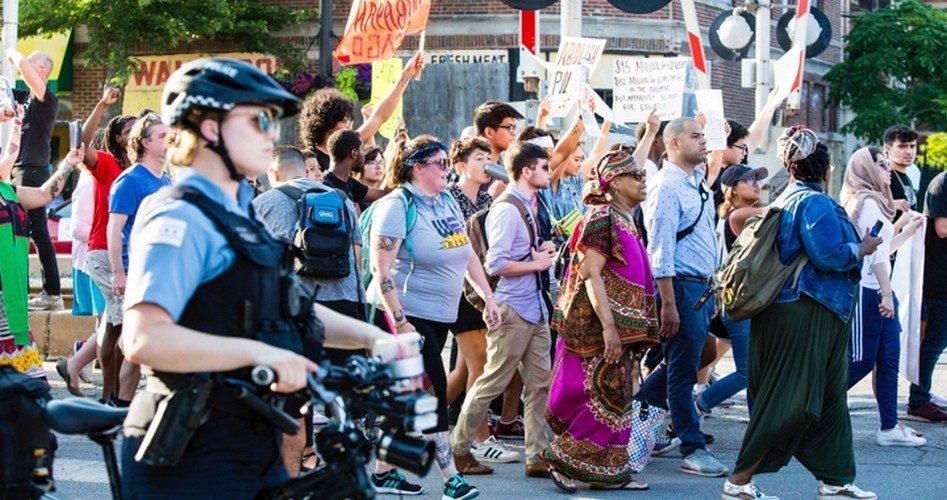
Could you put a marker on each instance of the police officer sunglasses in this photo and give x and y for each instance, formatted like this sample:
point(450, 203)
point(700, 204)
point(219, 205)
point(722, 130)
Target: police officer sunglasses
point(264, 120)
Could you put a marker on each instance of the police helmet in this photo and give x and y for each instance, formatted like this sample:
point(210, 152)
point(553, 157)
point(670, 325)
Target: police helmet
point(221, 84)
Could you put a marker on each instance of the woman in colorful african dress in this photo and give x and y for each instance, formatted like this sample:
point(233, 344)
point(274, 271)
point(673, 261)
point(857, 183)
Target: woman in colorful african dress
point(17, 347)
point(606, 315)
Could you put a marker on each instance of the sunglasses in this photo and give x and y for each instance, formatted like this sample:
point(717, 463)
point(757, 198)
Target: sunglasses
point(752, 181)
point(544, 167)
point(637, 174)
point(263, 119)
point(442, 163)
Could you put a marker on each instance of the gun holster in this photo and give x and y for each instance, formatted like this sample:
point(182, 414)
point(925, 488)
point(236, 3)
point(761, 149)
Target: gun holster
point(179, 413)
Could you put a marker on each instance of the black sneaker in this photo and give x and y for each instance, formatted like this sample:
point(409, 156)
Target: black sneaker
point(708, 438)
point(458, 488)
point(395, 483)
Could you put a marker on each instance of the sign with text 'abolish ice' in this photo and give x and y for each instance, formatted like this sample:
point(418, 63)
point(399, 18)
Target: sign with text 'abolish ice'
point(643, 83)
point(576, 60)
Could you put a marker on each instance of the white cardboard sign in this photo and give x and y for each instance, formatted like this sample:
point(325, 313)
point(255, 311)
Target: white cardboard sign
point(641, 84)
point(710, 103)
point(585, 52)
point(565, 88)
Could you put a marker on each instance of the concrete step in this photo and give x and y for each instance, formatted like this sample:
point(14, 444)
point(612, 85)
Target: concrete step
point(55, 331)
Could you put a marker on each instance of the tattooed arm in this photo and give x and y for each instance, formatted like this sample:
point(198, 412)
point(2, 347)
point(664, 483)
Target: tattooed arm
point(383, 255)
point(12, 151)
point(45, 194)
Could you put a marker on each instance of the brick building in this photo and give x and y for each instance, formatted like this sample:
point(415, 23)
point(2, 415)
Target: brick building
point(489, 26)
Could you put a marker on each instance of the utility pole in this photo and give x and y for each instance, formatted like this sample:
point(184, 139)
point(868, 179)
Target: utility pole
point(764, 71)
point(325, 39)
point(570, 20)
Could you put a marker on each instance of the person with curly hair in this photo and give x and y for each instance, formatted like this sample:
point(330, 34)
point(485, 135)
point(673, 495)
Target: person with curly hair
point(328, 110)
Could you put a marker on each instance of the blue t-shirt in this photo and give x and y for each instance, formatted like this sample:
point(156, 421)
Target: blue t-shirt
point(128, 191)
point(176, 248)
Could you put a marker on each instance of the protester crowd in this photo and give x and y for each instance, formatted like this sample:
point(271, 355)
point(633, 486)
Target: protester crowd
point(581, 284)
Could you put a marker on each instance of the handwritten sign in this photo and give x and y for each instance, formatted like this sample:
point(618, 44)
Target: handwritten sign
point(710, 103)
point(376, 28)
point(565, 88)
point(384, 76)
point(640, 84)
point(785, 71)
point(585, 52)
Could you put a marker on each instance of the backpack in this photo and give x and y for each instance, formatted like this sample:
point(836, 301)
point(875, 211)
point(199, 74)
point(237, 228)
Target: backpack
point(365, 228)
point(753, 275)
point(322, 239)
point(477, 233)
point(637, 216)
point(26, 445)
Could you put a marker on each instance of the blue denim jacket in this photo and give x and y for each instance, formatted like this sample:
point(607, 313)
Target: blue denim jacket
point(814, 223)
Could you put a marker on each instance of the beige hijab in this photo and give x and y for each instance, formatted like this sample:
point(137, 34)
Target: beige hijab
point(866, 178)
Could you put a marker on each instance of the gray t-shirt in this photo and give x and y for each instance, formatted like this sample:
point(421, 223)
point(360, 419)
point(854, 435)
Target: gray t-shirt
point(278, 213)
point(441, 252)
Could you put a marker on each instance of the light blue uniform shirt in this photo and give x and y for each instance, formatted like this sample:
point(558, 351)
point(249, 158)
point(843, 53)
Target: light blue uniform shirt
point(176, 249)
point(673, 204)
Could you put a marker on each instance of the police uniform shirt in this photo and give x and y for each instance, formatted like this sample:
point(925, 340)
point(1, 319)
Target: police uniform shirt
point(176, 248)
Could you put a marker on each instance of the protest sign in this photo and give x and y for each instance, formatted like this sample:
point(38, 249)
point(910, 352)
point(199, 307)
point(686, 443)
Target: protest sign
point(641, 84)
point(565, 88)
point(586, 52)
point(384, 76)
point(710, 103)
point(376, 28)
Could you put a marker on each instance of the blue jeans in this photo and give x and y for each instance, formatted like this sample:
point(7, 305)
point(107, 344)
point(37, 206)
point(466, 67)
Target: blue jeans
point(934, 343)
point(669, 385)
point(875, 344)
point(736, 381)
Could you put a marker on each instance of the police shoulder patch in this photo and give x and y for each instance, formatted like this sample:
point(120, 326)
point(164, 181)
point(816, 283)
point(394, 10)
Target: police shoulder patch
point(166, 231)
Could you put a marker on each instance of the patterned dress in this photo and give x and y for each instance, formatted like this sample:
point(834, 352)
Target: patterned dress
point(17, 347)
point(590, 400)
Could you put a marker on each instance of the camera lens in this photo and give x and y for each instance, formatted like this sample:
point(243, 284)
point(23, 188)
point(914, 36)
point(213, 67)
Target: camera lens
point(411, 454)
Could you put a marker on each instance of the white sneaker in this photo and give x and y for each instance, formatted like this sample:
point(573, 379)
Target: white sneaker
point(899, 436)
point(698, 389)
point(939, 400)
point(44, 302)
point(746, 492)
point(827, 492)
point(493, 450)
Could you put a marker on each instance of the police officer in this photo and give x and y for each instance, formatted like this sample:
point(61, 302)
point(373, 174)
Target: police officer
point(210, 292)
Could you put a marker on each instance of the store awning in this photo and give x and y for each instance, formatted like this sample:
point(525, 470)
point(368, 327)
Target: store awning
point(59, 48)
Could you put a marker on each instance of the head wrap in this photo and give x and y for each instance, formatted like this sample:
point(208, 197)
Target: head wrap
point(866, 178)
point(795, 144)
point(612, 165)
point(421, 154)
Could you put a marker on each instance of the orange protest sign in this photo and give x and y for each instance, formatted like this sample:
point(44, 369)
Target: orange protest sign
point(376, 28)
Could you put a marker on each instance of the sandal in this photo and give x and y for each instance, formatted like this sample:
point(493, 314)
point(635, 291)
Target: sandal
point(630, 485)
point(305, 458)
point(557, 477)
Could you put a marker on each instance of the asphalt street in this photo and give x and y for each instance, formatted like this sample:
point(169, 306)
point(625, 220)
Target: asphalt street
point(892, 472)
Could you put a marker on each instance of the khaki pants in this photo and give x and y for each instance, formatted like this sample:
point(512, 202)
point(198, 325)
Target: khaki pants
point(516, 344)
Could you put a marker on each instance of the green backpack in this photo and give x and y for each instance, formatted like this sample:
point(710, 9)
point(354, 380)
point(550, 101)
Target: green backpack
point(365, 228)
point(752, 276)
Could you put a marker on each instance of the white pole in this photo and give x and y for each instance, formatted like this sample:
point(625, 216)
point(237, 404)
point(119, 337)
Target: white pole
point(570, 21)
point(764, 71)
point(11, 18)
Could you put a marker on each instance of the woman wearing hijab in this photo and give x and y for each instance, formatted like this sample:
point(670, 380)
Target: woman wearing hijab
point(876, 332)
point(606, 316)
point(798, 355)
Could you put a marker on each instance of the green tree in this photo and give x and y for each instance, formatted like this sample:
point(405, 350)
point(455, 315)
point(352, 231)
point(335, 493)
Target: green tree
point(934, 151)
point(894, 70)
point(118, 27)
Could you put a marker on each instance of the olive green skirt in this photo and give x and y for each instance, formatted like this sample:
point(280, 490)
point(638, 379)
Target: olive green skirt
point(798, 376)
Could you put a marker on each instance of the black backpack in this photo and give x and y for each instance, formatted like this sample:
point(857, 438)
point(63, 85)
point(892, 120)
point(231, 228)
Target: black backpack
point(323, 232)
point(26, 445)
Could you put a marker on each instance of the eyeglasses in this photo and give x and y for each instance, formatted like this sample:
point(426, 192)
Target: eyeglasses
point(441, 163)
point(741, 147)
point(264, 121)
point(509, 128)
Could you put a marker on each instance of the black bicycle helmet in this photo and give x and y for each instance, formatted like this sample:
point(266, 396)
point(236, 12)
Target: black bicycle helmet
point(220, 84)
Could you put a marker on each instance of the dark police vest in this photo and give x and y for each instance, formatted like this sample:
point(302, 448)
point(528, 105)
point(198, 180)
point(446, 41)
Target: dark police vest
point(255, 298)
